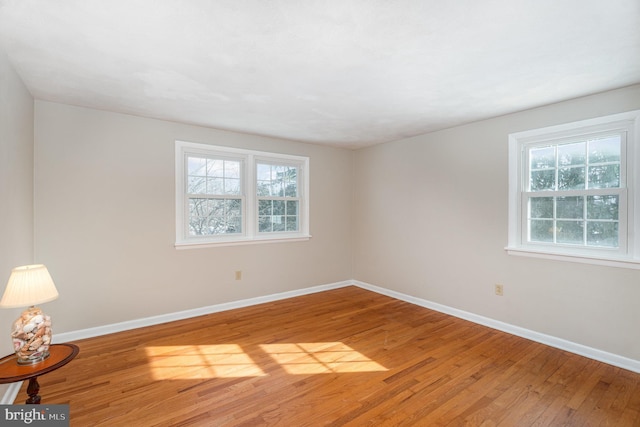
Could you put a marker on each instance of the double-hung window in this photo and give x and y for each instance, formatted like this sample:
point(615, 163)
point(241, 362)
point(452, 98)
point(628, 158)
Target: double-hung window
point(278, 196)
point(233, 196)
point(572, 191)
point(213, 197)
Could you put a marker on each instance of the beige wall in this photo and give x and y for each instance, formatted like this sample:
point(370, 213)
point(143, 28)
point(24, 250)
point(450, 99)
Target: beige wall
point(16, 186)
point(105, 220)
point(432, 223)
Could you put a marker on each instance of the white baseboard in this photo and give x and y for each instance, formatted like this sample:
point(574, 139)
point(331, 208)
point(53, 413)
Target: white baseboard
point(582, 350)
point(11, 393)
point(592, 353)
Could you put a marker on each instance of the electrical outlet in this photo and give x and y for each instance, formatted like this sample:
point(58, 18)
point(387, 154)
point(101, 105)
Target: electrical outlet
point(499, 290)
point(239, 275)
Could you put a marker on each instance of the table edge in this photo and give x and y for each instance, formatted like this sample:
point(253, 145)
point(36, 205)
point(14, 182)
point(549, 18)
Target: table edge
point(35, 373)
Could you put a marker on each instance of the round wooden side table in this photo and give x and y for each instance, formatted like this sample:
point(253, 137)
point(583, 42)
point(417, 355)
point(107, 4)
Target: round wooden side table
point(11, 372)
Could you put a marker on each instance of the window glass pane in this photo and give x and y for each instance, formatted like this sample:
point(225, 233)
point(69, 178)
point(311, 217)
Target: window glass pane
point(542, 158)
point(278, 207)
point(196, 185)
point(216, 219)
point(264, 224)
point(277, 188)
point(278, 223)
point(263, 188)
point(570, 232)
point(541, 230)
point(233, 216)
point(278, 173)
point(292, 223)
point(603, 234)
point(292, 215)
point(232, 169)
point(292, 207)
point(571, 178)
point(541, 207)
point(264, 207)
point(214, 216)
point(231, 177)
point(215, 168)
point(197, 216)
point(263, 178)
point(570, 207)
point(215, 186)
point(263, 172)
point(291, 184)
point(266, 183)
point(543, 180)
point(572, 154)
point(291, 190)
point(604, 176)
point(215, 225)
point(605, 149)
point(232, 186)
point(602, 207)
point(196, 166)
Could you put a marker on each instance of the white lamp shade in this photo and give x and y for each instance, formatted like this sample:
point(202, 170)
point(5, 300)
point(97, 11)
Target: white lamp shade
point(29, 285)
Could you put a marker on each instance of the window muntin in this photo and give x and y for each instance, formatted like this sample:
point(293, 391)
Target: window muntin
point(573, 190)
point(233, 196)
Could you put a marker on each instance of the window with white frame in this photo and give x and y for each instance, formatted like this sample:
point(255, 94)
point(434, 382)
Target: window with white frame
point(278, 197)
point(572, 191)
point(233, 196)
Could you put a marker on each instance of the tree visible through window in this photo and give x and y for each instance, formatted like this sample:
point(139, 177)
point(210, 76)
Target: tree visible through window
point(278, 202)
point(584, 178)
point(213, 191)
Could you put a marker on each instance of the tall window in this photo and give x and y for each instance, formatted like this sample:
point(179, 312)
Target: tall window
point(233, 196)
point(572, 190)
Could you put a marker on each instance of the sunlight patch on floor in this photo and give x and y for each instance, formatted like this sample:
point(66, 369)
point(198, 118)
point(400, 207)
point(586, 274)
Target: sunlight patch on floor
point(231, 361)
point(320, 358)
point(201, 361)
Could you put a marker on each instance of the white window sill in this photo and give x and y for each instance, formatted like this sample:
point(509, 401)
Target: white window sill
point(619, 262)
point(237, 242)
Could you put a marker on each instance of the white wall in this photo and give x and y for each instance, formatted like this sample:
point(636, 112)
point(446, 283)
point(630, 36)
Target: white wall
point(105, 220)
point(16, 186)
point(432, 223)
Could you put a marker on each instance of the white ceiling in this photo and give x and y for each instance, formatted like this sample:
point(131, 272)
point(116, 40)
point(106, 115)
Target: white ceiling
point(348, 73)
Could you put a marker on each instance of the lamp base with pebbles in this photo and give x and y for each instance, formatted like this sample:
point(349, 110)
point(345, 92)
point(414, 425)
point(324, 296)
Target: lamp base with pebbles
point(31, 336)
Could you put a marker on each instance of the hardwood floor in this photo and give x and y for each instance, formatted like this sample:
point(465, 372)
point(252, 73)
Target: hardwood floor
point(346, 357)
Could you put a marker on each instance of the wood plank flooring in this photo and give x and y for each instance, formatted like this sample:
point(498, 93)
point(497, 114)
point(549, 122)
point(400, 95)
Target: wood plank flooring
point(346, 357)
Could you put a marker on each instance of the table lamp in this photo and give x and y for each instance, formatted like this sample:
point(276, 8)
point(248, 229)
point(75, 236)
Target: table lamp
point(29, 285)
